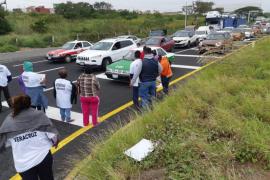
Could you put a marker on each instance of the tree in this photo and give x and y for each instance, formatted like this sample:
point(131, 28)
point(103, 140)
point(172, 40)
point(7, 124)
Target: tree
point(74, 10)
point(247, 9)
point(189, 9)
point(201, 7)
point(40, 26)
point(102, 6)
point(4, 24)
point(219, 9)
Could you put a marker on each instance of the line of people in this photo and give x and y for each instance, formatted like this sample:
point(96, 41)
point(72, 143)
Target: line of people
point(144, 71)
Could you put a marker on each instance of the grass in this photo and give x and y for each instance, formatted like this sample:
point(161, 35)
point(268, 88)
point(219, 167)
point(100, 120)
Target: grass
point(215, 126)
point(63, 30)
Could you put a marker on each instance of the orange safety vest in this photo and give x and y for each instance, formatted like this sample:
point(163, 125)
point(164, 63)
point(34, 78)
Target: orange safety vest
point(166, 67)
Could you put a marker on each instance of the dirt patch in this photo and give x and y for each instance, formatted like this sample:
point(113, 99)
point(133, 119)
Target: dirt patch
point(152, 174)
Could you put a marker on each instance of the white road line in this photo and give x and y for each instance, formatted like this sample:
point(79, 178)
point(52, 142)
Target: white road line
point(35, 62)
point(186, 50)
point(43, 71)
point(54, 113)
point(185, 67)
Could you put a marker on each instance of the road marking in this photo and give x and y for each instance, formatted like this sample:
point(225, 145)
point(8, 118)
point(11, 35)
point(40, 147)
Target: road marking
point(116, 111)
point(103, 76)
point(184, 66)
point(186, 50)
point(35, 62)
point(43, 71)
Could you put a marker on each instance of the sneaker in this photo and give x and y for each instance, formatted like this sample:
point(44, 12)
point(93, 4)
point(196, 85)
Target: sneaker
point(70, 120)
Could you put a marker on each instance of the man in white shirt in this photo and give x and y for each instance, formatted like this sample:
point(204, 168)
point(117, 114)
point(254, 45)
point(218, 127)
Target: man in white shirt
point(5, 78)
point(65, 94)
point(135, 69)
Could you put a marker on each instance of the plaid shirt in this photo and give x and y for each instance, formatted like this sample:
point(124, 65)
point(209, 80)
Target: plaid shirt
point(88, 85)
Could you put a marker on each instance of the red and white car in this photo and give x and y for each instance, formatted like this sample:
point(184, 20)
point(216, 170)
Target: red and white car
point(68, 51)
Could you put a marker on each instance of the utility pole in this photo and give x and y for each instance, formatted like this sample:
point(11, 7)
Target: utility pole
point(186, 15)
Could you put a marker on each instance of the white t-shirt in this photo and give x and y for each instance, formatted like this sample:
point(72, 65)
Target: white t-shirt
point(134, 68)
point(63, 89)
point(32, 79)
point(29, 149)
point(4, 73)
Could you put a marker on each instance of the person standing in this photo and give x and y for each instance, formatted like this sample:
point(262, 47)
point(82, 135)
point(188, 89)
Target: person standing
point(5, 78)
point(34, 84)
point(151, 69)
point(65, 94)
point(166, 73)
point(88, 88)
point(135, 69)
point(31, 134)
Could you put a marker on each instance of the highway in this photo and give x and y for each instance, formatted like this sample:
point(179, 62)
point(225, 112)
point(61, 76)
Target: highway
point(114, 94)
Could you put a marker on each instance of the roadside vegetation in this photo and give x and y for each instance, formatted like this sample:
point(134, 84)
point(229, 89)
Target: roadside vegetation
point(82, 21)
point(214, 126)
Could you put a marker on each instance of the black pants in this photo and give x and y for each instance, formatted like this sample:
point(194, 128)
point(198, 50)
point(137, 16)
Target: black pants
point(6, 94)
point(39, 108)
point(135, 96)
point(42, 171)
point(165, 84)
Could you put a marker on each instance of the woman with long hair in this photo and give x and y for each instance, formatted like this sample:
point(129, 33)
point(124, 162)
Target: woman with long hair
point(31, 135)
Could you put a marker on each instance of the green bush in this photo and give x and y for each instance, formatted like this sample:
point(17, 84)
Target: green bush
point(40, 26)
point(8, 48)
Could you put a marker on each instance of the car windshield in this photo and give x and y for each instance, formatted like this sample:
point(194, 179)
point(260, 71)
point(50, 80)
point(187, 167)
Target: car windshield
point(102, 46)
point(237, 30)
point(200, 32)
point(153, 41)
point(216, 36)
point(181, 34)
point(68, 46)
point(130, 56)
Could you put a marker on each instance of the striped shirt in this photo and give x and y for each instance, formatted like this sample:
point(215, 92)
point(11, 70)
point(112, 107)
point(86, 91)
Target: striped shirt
point(88, 85)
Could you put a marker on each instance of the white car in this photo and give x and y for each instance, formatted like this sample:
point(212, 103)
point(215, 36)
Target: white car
point(137, 40)
point(185, 39)
point(202, 32)
point(105, 52)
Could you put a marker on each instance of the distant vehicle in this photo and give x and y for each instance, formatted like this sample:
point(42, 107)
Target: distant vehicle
point(238, 34)
point(137, 40)
point(105, 52)
point(185, 39)
point(216, 42)
point(202, 32)
point(267, 30)
point(158, 32)
point(228, 29)
point(249, 33)
point(190, 28)
point(68, 51)
point(160, 41)
point(243, 26)
point(119, 70)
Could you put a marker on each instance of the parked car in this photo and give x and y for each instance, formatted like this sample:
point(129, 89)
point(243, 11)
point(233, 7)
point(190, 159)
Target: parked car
point(238, 34)
point(105, 52)
point(158, 32)
point(267, 31)
point(119, 70)
point(160, 41)
point(202, 32)
point(68, 51)
point(217, 42)
point(137, 40)
point(249, 33)
point(185, 39)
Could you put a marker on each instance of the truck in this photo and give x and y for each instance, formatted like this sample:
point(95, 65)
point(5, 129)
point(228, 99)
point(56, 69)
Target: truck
point(219, 21)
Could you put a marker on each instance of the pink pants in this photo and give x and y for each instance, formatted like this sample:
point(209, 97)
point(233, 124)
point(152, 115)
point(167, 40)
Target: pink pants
point(89, 103)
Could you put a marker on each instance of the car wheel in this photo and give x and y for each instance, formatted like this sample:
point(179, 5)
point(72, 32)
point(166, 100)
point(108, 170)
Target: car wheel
point(188, 45)
point(68, 59)
point(105, 63)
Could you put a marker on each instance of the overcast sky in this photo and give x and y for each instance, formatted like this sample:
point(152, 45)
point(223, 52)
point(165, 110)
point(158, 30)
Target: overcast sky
point(160, 5)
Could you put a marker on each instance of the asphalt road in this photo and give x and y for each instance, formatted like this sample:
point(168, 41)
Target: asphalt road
point(113, 95)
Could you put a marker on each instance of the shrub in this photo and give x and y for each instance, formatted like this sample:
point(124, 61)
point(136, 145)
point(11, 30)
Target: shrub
point(8, 48)
point(40, 26)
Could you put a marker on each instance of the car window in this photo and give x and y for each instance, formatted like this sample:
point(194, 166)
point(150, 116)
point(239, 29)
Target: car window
point(78, 46)
point(133, 37)
point(116, 46)
point(126, 43)
point(161, 52)
point(86, 44)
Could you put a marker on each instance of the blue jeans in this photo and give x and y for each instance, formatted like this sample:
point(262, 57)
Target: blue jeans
point(65, 114)
point(147, 91)
point(165, 81)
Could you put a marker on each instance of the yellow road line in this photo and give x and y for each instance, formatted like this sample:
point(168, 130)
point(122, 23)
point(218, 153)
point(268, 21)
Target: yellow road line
point(119, 109)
